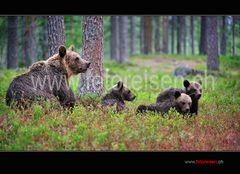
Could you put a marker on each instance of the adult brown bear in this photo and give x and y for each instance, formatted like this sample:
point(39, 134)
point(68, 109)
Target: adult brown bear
point(48, 79)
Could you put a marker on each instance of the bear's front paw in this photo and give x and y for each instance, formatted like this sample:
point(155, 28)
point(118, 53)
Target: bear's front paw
point(141, 108)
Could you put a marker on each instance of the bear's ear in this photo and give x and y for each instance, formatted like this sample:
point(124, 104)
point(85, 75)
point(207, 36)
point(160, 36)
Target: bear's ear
point(62, 51)
point(186, 83)
point(72, 48)
point(200, 82)
point(120, 85)
point(177, 94)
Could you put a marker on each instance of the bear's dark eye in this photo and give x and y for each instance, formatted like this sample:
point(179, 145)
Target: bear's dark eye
point(129, 92)
point(77, 59)
point(183, 103)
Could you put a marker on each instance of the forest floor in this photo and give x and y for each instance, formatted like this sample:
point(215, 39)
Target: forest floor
point(45, 126)
point(168, 64)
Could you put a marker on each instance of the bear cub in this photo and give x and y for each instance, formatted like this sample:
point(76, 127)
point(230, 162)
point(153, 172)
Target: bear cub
point(181, 102)
point(193, 89)
point(118, 94)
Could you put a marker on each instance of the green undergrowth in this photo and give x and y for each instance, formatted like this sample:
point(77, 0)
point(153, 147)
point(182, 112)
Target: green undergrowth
point(47, 126)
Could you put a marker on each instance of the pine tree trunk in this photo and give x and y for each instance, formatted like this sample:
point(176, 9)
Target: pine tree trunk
point(56, 33)
point(179, 34)
point(123, 43)
point(93, 80)
point(192, 33)
point(12, 48)
point(212, 43)
point(23, 41)
point(223, 37)
point(234, 35)
point(165, 35)
point(157, 34)
point(203, 36)
point(114, 39)
point(142, 41)
point(133, 35)
point(147, 34)
point(29, 44)
point(173, 26)
point(184, 36)
point(44, 39)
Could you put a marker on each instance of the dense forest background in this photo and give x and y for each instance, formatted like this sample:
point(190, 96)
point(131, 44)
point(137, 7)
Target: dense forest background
point(123, 35)
point(141, 51)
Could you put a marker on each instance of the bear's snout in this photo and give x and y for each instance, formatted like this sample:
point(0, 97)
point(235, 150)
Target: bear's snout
point(198, 96)
point(133, 97)
point(88, 64)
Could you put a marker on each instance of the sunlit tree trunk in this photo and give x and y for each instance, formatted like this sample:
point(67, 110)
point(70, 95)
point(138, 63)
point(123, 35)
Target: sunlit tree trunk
point(93, 80)
point(56, 33)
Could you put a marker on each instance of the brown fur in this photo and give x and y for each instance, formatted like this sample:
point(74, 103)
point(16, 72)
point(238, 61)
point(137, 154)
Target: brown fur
point(193, 89)
point(181, 102)
point(118, 94)
point(55, 72)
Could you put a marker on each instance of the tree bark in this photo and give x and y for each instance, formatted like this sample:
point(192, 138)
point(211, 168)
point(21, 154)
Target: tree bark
point(23, 39)
point(173, 26)
point(157, 34)
point(142, 41)
point(165, 35)
point(114, 39)
point(12, 49)
point(44, 39)
point(29, 42)
point(223, 37)
point(179, 34)
point(133, 35)
point(192, 33)
point(184, 36)
point(93, 80)
point(123, 43)
point(234, 35)
point(56, 33)
point(203, 36)
point(212, 43)
point(147, 34)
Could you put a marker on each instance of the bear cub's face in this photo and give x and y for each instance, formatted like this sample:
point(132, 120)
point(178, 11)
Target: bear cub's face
point(193, 89)
point(73, 61)
point(183, 102)
point(122, 90)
